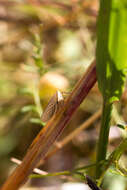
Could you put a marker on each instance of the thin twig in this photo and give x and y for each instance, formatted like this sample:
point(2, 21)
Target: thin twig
point(36, 170)
point(62, 175)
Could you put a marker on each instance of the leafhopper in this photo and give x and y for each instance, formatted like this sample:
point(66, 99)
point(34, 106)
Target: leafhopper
point(54, 104)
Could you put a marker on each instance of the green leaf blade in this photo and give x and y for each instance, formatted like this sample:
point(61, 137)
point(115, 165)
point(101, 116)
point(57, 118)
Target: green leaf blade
point(112, 49)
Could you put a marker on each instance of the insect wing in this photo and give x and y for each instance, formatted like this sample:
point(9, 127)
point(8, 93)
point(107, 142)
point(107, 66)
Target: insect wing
point(50, 109)
point(55, 103)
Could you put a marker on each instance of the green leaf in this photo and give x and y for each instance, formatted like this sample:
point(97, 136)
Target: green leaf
point(37, 121)
point(111, 53)
point(25, 91)
point(29, 108)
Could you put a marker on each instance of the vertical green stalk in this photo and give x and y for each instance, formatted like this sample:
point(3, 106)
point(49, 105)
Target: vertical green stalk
point(103, 137)
point(111, 63)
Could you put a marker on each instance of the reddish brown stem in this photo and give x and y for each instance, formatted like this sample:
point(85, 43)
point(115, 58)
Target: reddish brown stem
point(51, 131)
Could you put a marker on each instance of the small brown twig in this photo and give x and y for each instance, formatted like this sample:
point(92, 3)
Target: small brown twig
point(36, 170)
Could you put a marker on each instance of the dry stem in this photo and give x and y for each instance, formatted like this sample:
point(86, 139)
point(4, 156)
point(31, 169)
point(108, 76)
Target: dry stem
point(51, 131)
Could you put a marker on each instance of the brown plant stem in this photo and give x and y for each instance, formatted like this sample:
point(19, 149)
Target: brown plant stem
point(51, 131)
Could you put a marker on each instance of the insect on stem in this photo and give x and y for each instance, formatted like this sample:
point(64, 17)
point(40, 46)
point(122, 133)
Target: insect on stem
point(54, 104)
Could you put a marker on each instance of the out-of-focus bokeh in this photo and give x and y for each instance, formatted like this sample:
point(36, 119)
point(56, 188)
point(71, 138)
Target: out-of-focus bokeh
point(46, 46)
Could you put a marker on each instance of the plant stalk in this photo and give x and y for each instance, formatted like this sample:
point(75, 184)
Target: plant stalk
point(103, 137)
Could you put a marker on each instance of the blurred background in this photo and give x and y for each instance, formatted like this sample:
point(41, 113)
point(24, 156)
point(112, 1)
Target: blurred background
point(47, 46)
